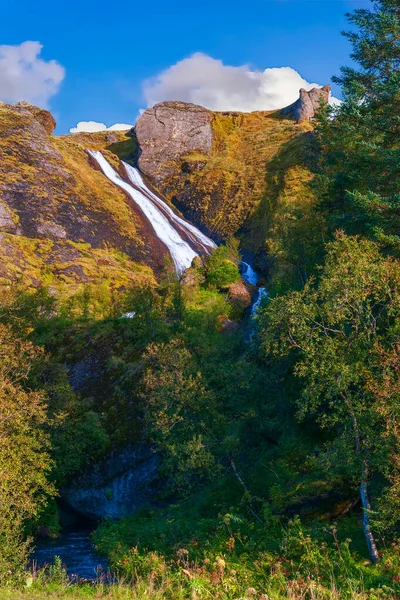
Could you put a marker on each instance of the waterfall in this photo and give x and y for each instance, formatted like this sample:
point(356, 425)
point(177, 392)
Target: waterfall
point(194, 235)
point(249, 275)
point(168, 227)
point(261, 294)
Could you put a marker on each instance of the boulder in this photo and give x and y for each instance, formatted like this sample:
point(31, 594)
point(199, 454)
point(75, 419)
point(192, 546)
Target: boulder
point(121, 485)
point(169, 131)
point(240, 295)
point(44, 117)
point(305, 107)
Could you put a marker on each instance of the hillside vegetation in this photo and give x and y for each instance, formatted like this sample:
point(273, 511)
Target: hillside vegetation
point(276, 438)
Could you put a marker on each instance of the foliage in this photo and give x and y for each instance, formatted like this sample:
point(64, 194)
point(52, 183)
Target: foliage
point(338, 330)
point(25, 462)
point(221, 266)
point(180, 413)
point(359, 147)
point(228, 555)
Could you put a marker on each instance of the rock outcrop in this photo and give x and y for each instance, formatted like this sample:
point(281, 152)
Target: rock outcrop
point(120, 486)
point(167, 132)
point(305, 107)
point(44, 117)
point(214, 166)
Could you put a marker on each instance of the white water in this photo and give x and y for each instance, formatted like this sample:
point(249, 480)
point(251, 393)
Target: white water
point(261, 294)
point(191, 231)
point(157, 212)
point(128, 315)
point(248, 274)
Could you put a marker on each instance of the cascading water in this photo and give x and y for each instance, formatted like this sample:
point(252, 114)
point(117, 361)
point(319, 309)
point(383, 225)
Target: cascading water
point(249, 275)
point(194, 235)
point(261, 294)
point(168, 227)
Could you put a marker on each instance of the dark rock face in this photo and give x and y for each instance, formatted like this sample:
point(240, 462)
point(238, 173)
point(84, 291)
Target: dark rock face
point(305, 107)
point(121, 485)
point(168, 131)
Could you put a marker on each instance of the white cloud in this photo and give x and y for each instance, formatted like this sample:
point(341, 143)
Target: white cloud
point(92, 126)
point(120, 127)
point(204, 80)
point(25, 76)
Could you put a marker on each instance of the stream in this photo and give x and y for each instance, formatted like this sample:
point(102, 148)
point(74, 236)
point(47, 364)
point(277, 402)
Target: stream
point(249, 275)
point(77, 553)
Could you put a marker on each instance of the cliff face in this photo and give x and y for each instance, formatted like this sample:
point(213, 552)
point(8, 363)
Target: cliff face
point(219, 168)
point(231, 173)
point(60, 219)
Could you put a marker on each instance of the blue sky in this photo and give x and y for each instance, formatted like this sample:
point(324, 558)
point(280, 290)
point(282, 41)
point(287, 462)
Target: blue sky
point(108, 49)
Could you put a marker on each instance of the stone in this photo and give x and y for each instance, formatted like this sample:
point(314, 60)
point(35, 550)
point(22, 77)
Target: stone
point(51, 230)
point(239, 295)
point(168, 131)
point(121, 485)
point(44, 117)
point(305, 107)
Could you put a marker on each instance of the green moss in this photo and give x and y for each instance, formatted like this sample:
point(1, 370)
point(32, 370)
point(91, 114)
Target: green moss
point(126, 149)
point(227, 187)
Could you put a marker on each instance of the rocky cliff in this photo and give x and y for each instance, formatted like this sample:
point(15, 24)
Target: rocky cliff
point(60, 219)
point(223, 169)
point(120, 485)
point(306, 106)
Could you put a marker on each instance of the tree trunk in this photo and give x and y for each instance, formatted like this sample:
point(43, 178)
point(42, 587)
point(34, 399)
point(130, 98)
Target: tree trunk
point(366, 506)
point(369, 537)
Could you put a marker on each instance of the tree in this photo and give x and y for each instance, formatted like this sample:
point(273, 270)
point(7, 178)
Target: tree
point(24, 452)
point(337, 329)
point(360, 149)
point(181, 416)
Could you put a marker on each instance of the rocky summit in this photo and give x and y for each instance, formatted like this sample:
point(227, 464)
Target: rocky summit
point(168, 131)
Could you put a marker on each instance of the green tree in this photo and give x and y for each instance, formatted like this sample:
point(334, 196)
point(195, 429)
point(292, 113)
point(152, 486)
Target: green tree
point(360, 149)
point(24, 452)
point(181, 415)
point(336, 330)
